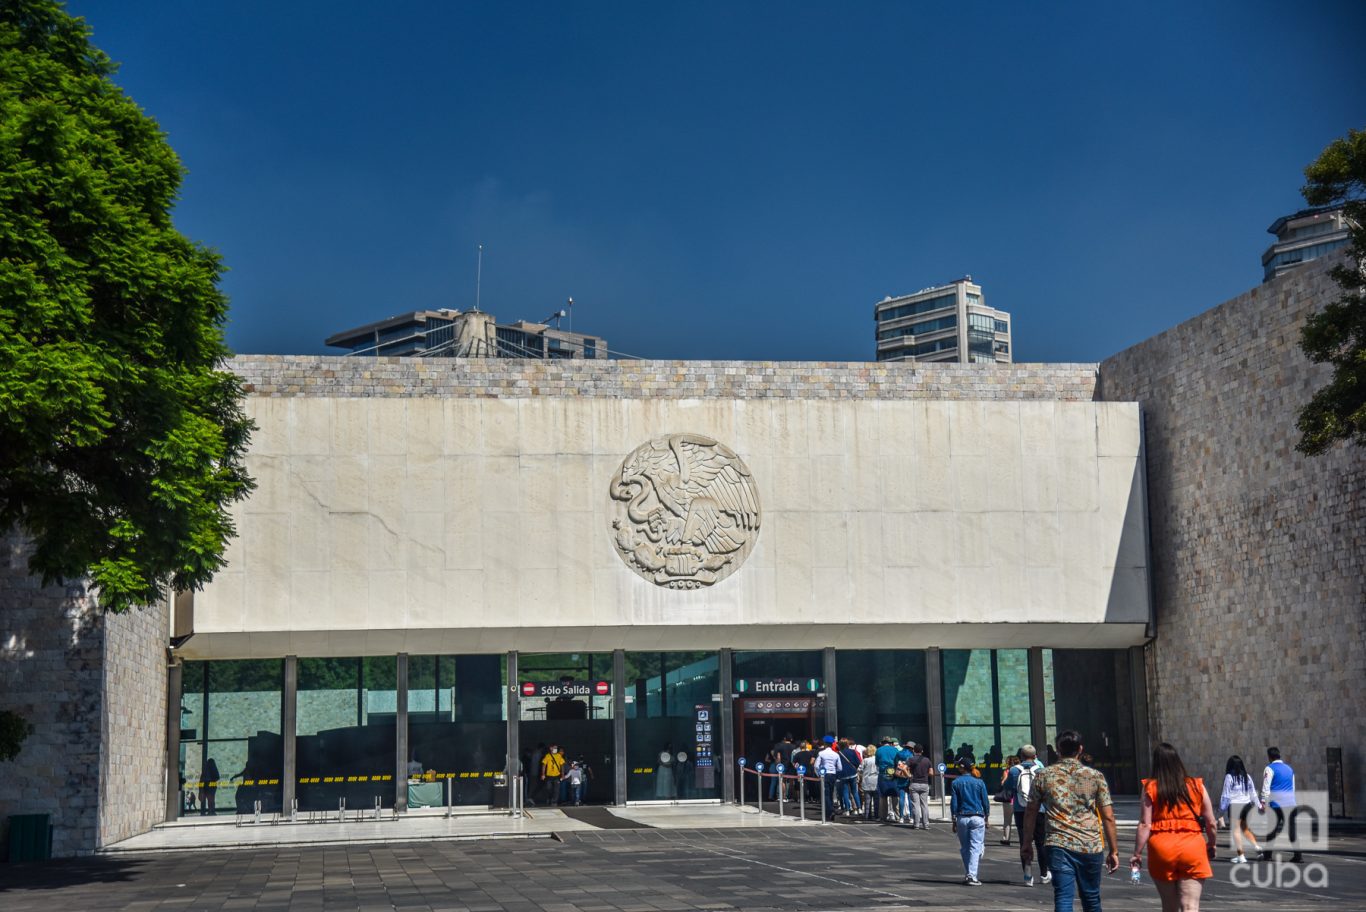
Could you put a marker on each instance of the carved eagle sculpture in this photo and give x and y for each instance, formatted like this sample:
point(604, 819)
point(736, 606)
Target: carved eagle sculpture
point(704, 485)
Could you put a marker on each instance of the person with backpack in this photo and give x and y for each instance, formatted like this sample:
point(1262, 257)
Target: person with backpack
point(1019, 785)
point(905, 757)
point(886, 780)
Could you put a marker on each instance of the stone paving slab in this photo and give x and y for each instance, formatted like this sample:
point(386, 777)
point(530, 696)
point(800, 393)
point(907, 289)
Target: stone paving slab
point(654, 870)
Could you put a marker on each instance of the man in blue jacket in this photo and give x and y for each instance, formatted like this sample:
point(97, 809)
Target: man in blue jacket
point(970, 807)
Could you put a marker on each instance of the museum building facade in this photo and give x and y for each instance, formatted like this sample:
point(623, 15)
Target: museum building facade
point(661, 567)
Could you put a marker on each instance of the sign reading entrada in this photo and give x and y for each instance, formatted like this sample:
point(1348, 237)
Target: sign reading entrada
point(567, 689)
point(777, 685)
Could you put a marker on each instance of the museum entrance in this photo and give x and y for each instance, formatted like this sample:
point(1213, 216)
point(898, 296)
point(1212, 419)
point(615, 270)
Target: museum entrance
point(763, 723)
point(566, 703)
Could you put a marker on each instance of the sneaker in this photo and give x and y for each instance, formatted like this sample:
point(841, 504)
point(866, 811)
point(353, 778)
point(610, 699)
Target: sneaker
point(1047, 878)
point(1238, 859)
point(1029, 879)
point(973, 882)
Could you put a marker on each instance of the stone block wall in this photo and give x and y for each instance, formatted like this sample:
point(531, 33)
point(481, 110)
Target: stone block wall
point(1258, 553)
point(347, 377)
point(133, 759)
point(51, 650)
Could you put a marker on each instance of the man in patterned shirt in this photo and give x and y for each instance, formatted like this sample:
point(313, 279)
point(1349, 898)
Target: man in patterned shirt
point(1081, 824)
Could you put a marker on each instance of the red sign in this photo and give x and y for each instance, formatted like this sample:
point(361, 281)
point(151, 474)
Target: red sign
point(566, 689)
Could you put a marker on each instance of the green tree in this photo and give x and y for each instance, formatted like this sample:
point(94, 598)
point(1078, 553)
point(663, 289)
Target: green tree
point(13, 730)
point(1337, 334)
point(121, 439)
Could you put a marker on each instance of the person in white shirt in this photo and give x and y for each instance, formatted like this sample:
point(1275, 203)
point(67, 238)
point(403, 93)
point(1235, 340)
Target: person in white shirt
point(828, 768)
point(1238, 796)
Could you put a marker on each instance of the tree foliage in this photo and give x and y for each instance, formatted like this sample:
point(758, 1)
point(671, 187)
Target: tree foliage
point(121, 440)
point(1336, 335)
point(13, 730)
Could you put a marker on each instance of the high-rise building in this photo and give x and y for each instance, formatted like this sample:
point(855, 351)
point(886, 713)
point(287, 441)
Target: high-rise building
point(448, 333)
point(1303, 236)
point(945, 323)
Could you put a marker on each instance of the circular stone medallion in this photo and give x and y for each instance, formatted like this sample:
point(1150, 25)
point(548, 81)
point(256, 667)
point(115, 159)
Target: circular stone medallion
point(685, 511)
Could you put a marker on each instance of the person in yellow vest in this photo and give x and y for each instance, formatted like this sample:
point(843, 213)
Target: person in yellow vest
point(552, 768)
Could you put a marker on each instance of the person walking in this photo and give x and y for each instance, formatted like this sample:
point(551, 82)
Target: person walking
point(1237, 795)
point(919, 789)
point(1020, 785)
point(970, 806)
point(1006, 798)
point(1278, 793)
point(867, 784)
point(1081, 838)
point(1177, 828)
point(552, 768)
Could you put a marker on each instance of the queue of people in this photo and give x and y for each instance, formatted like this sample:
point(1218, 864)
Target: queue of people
point(888, 782)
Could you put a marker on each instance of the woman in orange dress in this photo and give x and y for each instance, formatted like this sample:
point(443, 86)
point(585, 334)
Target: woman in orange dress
point(1178, 830)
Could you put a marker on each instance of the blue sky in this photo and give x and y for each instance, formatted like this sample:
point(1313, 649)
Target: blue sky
point(737, 180)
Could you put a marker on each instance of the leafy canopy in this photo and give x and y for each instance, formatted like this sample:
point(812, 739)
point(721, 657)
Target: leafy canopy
point(1336, 335)
point(121, 442)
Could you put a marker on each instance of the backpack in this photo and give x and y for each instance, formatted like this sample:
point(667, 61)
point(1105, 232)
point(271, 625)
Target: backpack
point(1024, 784)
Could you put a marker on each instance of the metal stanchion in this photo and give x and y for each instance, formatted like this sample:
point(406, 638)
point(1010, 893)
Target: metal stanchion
point(759, 784)
point(741, 763)
point(822, 778)
point(780, 768)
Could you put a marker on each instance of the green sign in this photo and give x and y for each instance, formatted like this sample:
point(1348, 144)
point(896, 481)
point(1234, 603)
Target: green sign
point(777, 686)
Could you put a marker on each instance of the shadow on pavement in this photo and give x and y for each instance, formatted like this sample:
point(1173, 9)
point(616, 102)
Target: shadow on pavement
point(67, 872)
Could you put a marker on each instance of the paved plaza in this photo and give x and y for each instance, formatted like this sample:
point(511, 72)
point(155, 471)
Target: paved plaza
point(606, 870)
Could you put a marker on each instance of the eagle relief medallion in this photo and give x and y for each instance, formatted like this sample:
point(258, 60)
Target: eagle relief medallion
point(686, 511)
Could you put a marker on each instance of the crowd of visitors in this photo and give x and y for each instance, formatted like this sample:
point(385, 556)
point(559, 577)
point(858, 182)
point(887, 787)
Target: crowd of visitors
point(1063, 811)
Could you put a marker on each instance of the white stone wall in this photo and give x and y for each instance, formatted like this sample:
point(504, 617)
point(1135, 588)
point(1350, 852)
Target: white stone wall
point(476, 524)
point(133, 748)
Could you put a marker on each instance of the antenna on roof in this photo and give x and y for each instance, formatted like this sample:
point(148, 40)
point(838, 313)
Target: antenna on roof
point(478, 277)
point(571, 314)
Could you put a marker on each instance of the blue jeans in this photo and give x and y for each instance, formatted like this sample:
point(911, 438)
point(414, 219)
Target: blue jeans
point(972, 834)
point(1079, 871)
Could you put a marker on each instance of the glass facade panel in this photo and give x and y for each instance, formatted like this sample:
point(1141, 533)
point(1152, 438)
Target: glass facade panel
point(806, 664)
point(1073, 680)
point(457, 728)
point(917, 307)
point(882, 692)
point(986, 704)
point(580, 724)
point(672, 723)
point(346, 737)
point(231, 751)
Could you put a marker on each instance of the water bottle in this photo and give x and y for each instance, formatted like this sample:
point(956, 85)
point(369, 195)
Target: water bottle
point(1134, 876)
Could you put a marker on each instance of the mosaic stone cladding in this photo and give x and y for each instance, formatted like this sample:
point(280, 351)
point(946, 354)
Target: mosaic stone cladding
point(1258, 552)
point(339, 376)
